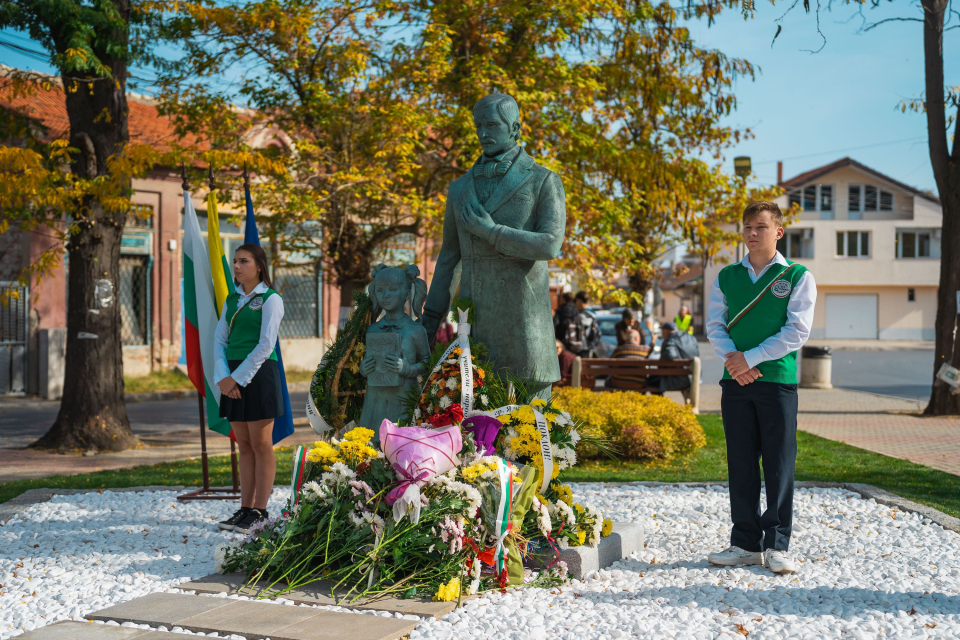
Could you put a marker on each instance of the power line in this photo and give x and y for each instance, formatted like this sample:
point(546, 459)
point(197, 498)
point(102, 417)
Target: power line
point(823, 153)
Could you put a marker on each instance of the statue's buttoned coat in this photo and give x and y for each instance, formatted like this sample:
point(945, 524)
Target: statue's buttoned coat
point(506, 274)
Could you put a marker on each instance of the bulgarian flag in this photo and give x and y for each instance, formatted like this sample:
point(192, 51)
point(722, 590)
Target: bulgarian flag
point(201, 313)
point(282, 426)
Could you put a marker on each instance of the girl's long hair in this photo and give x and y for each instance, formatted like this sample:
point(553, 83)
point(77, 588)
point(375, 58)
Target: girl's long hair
point(260, 258)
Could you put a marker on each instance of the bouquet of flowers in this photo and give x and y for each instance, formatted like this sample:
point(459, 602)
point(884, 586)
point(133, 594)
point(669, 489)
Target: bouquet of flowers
point(532, 431)
point(440, 404)
point(345, 530)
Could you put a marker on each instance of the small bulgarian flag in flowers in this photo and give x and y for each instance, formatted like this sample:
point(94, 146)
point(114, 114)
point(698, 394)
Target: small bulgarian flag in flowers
point(440, 402)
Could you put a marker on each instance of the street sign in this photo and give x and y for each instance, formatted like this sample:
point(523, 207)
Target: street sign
point(742, 166)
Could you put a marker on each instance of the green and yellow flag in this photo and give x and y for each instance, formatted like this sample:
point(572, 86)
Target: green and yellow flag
point(219, 267)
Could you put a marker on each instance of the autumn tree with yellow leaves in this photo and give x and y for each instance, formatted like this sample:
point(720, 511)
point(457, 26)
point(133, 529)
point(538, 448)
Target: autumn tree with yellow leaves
point(79, 189)
point(377, 100)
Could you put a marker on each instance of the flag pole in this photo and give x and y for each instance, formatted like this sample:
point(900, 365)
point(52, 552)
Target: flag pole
point(208, 493)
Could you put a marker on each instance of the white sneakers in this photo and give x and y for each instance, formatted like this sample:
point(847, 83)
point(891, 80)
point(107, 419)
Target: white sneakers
point(779, 561)
point(776, 560)
point(732, 556)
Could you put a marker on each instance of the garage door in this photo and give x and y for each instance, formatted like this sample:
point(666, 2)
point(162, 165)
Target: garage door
point(852, 316)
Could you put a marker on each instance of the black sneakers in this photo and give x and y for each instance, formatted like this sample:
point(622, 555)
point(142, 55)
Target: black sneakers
point(252, 517)
point(230, 523)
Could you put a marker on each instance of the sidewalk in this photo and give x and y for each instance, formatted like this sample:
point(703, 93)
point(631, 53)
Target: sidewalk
point(882, 424)
point(24, 464)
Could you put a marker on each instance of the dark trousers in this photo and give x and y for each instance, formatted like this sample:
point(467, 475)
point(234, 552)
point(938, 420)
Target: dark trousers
point(760, 421)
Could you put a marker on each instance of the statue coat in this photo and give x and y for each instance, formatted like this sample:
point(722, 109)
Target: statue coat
point(506, 277)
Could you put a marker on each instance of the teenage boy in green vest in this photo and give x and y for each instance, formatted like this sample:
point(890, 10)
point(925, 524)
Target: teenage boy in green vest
point(760, 314)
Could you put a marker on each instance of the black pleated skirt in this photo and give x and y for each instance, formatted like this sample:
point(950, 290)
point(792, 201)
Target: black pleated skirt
point(262, 399)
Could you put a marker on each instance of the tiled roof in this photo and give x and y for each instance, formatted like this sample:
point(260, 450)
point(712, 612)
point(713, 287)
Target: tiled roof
point(809, 176)
point(48, 109)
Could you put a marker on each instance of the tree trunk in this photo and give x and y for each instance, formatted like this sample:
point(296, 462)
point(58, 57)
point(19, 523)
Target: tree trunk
point(92, 412)
point(946, 171)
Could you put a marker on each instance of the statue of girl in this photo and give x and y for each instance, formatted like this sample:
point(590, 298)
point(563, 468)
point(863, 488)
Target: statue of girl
point(394, 366)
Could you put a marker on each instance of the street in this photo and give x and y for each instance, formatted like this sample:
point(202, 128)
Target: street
point(906, 373)
point(24, 420)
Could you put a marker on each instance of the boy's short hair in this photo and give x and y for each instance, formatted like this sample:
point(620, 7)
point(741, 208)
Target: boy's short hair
point(755, 208)
point(582, 297)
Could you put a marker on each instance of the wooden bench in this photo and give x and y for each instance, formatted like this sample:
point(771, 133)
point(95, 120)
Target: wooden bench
point(587, 370)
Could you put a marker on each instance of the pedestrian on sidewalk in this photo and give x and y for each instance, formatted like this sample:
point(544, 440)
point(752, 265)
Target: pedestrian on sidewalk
point(760, 314)
point(247, 372)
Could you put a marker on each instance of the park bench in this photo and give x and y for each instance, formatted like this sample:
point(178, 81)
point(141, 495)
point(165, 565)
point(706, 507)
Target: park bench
point(586, 372)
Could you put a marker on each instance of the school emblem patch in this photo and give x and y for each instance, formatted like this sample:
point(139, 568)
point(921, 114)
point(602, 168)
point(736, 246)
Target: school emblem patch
point(781, 288)
point(257, 303)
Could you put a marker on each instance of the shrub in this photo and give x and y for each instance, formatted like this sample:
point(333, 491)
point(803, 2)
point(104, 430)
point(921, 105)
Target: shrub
point(641, 427)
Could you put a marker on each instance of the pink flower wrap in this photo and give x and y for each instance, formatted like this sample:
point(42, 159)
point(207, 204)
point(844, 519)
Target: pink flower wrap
point(417, 455)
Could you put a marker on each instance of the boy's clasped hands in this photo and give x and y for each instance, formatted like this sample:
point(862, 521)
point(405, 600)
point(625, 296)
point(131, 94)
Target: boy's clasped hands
point(739, 370)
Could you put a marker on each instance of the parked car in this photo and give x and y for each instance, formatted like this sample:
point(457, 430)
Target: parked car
point(608, 332)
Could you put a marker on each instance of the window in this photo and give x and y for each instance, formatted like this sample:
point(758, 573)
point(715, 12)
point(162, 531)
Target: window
point(826, 197)
point(813, 197)
point(300, 287)
point(853, 244)
point(133, 294)
point(918, 243)
point(868, 198)
point(796, 243)
point(911, 295)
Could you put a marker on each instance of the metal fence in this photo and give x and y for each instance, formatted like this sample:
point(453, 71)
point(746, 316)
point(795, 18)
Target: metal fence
point(134, 297)
point(14, 318)
point(300, 287)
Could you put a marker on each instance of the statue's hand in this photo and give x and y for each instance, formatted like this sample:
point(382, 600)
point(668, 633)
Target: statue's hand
point(368, 365)
point(476, 219)
point(394, 364)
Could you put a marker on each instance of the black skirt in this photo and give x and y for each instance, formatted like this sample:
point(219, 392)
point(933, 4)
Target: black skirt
point(261, 399)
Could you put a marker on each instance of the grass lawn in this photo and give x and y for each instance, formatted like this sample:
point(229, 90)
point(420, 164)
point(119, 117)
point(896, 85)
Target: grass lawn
point(818, 459)
point(160, 380)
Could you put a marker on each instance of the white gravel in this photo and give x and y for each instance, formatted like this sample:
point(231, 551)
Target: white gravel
point(866, 571)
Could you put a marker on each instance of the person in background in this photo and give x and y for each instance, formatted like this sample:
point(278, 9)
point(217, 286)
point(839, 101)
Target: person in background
point(247, 372)
point(589, 329)
point(631, 349)
point(445, 332)
point(565, 316)
point(684, 321)
point(566, 365)
point(677, 345)
point(627, 324)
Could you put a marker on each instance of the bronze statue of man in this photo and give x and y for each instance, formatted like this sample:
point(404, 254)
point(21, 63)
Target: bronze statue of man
point(504, 221)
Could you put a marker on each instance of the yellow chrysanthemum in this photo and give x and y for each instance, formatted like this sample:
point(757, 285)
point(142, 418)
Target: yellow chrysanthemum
point(505, 419)
point(539, 403)
point(525, 414)
point(449, 591)
point(564, 493)
point(324, 453)
point(359, 434)
point(355, 453)
point(581, 536)
point(607, 527)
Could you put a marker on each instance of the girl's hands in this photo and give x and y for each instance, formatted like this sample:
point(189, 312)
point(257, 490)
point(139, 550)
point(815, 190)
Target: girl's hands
point(229, 387)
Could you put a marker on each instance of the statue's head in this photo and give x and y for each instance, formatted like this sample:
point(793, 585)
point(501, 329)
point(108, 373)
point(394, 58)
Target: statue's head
point(497, 118)
point(392, 288)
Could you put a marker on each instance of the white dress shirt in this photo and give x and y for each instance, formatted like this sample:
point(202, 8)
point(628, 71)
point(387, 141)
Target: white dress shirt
point(791, 337)
point(272, 311)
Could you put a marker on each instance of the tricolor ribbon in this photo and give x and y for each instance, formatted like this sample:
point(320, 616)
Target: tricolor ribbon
point(299, 465)
point(503, 512)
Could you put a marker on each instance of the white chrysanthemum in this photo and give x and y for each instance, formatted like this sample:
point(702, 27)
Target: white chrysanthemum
point(462, 490)
point(543, 517)
point(483, 399)
point(574, 437)
point(564, 511)
point(435, 389)
point(445, 402)
point(417, 414)
point(453, 383)
point(339, 474)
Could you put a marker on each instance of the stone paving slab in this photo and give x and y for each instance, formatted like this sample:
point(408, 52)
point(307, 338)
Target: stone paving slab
point(317, 593)
point(253, 620)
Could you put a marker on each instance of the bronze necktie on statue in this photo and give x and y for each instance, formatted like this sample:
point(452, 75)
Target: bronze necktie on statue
point(491, 169)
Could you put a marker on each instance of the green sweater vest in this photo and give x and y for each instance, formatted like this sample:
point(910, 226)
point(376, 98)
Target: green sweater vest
point(765, 319)
point(246, 324)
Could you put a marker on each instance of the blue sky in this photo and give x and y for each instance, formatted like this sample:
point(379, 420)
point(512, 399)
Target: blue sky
point(810, 109)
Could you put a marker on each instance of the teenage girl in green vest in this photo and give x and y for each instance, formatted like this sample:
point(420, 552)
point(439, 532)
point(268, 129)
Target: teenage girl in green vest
point(248, 375)
point(760, 314)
